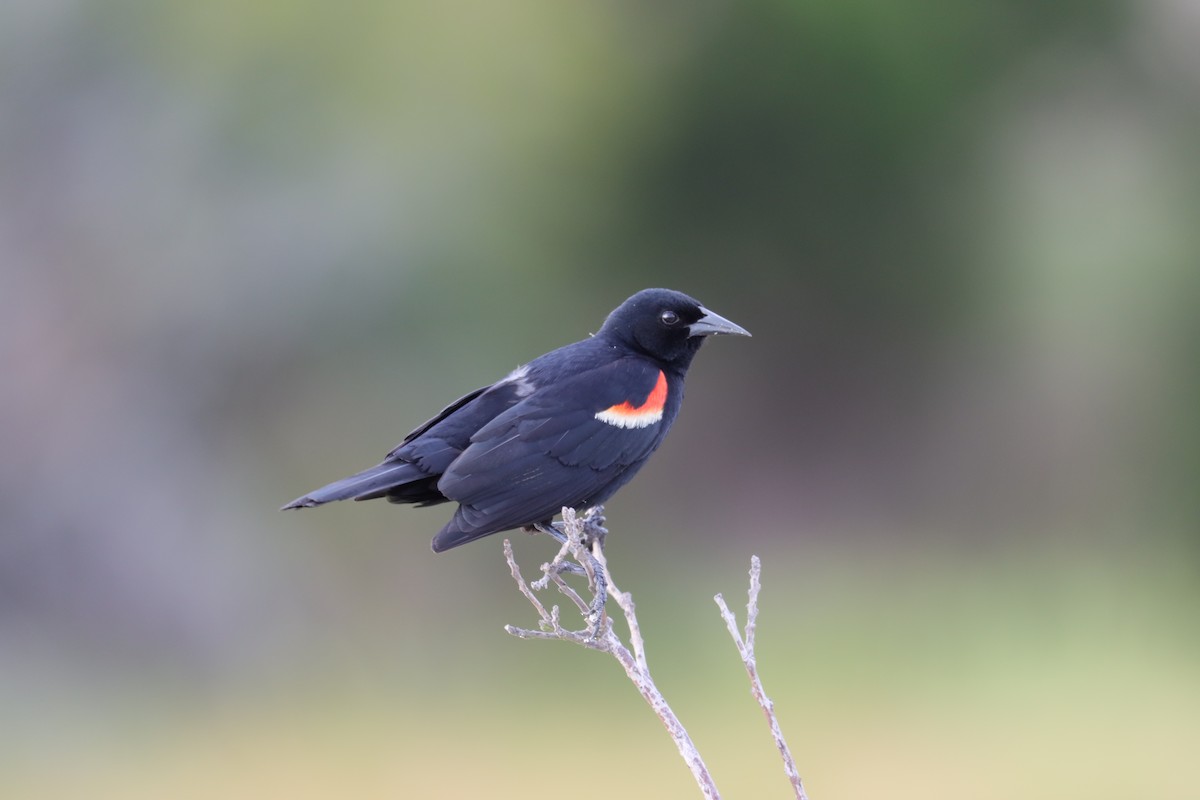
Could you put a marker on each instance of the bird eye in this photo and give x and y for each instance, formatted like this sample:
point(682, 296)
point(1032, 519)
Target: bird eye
point(668, 317)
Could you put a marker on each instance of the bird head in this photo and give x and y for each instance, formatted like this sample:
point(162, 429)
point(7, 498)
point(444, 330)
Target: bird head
point(666, 325)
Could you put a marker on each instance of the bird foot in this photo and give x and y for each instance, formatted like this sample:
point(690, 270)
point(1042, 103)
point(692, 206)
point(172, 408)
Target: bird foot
point(592, 524)
point(584, 547)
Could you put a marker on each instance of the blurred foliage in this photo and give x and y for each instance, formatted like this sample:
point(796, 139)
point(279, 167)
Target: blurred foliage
point(244, 249)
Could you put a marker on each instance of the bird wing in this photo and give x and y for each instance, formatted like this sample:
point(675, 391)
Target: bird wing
point(563, 445)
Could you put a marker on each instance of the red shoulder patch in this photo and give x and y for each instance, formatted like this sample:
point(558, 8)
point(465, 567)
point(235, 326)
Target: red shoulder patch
point(627, 415)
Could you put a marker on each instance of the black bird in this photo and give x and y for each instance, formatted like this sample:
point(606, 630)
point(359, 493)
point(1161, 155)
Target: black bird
point(567, 429)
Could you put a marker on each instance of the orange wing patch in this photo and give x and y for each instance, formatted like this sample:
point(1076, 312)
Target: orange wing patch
point(627, 415)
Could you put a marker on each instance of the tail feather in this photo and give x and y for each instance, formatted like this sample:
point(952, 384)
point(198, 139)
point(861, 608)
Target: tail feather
point(373, 482)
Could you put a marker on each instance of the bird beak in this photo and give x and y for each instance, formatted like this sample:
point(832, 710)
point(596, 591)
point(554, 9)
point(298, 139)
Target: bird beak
point(715, 325)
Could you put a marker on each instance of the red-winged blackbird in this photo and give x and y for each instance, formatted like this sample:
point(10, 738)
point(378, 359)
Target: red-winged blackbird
point(566, 429)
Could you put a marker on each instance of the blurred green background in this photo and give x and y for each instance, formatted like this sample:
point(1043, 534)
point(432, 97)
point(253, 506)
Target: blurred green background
point(244, 248)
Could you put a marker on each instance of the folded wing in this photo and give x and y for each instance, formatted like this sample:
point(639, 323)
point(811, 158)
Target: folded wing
point(552, 449)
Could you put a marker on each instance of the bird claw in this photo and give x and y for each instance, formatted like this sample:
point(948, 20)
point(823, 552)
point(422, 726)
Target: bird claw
point(592, 533)
point(592, 528)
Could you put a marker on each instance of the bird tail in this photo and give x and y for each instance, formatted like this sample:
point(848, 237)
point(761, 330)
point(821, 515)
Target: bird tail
point(377, 481)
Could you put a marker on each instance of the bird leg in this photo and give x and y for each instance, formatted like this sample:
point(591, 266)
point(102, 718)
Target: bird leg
point(592, 567)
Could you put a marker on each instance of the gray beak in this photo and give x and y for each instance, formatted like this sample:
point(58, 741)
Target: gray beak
point(715, 325)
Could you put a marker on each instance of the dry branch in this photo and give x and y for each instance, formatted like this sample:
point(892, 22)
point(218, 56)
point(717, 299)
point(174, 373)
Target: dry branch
point(599, 635)
point(745, 646)
point(582, 540)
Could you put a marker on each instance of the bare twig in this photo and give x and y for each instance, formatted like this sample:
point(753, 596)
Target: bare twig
point(745, 646)
point(599, 635)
